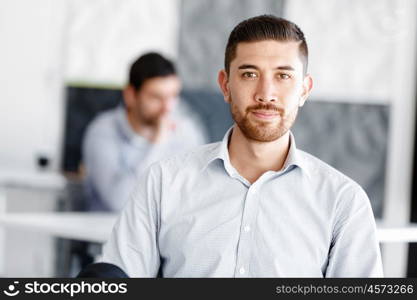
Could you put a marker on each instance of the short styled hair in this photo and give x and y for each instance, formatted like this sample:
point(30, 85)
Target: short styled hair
point(148, 66)
point(262, 28)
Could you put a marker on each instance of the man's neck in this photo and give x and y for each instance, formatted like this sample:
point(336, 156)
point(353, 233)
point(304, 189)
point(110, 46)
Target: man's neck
point(252, 158)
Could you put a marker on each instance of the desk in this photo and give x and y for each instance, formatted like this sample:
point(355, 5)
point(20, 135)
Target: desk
point(23, 254)
point(400, 234)
point(92, 227)
point(96, 227)
point(32, 179)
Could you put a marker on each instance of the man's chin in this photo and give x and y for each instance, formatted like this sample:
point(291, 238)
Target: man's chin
point(265, 138)
point(153, 121)
point(263, 134)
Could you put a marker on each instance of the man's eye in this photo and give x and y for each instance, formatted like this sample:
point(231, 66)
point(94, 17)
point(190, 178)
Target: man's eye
point(249, 75)
point(284, 76)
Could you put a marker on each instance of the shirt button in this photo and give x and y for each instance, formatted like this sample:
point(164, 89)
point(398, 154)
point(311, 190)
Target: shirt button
point(242, 271)
point(246, 228)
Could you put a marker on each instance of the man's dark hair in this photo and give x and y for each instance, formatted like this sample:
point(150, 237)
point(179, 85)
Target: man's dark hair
point(262, 28)
point(148, 66)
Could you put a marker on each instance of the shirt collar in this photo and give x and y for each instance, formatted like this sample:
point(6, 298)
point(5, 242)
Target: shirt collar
point(294, 157)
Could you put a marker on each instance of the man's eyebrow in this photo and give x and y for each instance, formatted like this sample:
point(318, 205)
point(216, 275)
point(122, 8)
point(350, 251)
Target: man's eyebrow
point(287, 67)
point(247, 66)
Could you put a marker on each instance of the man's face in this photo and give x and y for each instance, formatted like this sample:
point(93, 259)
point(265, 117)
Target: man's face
point(156, 98)
point(265, 87)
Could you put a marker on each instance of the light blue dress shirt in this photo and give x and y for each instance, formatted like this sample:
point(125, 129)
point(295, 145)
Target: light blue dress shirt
point(114, 155)
point(194, 216)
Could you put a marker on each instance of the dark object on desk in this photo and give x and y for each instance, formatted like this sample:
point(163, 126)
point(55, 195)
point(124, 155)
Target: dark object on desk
point(102, 270)
point(43, 161)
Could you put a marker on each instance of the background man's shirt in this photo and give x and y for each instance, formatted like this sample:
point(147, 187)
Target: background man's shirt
point(114, 155)
point(195, 216)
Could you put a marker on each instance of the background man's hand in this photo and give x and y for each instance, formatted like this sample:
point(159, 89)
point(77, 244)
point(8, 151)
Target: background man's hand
point(163, 129)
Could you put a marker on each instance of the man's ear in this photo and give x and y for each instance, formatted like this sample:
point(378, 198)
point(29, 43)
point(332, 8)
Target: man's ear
point(223, 81)
point(307, 87)
point(129, 96)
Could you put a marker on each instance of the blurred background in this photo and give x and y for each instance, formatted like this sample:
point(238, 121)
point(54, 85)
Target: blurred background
point(64, 61)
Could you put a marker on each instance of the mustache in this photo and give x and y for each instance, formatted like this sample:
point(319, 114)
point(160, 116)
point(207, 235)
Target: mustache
point(264, 106)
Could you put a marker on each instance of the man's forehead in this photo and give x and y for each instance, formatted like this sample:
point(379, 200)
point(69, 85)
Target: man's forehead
point(268, 51)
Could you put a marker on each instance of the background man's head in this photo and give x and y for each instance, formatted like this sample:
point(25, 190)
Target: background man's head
point(153, 88)
point(265, 78)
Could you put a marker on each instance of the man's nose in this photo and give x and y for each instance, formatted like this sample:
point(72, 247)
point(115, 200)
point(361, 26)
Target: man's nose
point(266, 91)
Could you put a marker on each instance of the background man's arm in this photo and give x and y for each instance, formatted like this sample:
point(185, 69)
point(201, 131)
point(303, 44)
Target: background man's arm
point(114, 178)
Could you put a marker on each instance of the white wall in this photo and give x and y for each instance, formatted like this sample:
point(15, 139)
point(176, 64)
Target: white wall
point(31, 34)
point(105, 36)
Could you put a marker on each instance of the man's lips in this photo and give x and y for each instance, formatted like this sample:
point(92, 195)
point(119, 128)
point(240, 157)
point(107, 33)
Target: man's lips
point(265, 114)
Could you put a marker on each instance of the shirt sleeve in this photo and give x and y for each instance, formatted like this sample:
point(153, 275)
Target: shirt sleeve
point(133, 243)
point(354, 250)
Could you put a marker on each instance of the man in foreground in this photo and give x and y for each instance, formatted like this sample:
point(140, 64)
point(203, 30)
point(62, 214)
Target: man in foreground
point(252, 205)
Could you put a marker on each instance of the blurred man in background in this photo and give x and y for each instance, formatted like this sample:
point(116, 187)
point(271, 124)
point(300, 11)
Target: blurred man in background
point(119, 144)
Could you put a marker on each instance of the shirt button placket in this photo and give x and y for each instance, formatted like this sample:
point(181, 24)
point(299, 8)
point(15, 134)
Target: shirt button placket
point(245, 238)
